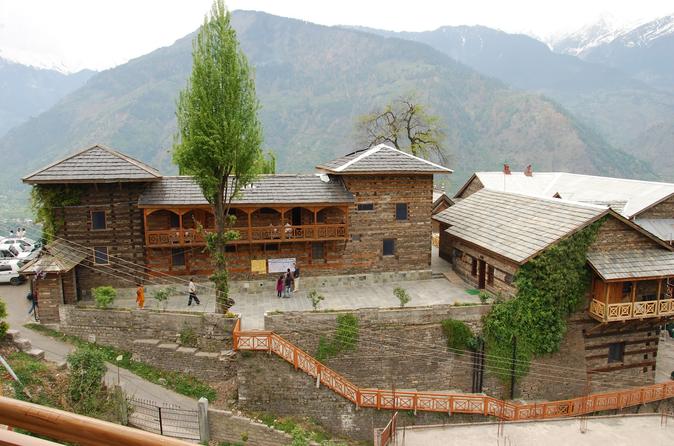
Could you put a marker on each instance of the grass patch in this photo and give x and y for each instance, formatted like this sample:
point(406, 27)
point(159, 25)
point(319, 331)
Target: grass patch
point(303, 432)
point(179, 382)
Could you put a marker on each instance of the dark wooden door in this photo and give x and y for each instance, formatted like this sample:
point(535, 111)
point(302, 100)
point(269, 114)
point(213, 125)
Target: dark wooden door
point(297, 217)
point(481, 274)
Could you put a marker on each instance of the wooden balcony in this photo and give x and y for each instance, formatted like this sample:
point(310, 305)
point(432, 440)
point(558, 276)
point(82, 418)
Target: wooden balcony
point(604, 312)
point(260, 234)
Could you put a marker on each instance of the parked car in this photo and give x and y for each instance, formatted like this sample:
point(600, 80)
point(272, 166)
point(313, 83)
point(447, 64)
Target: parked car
point(22, 243)
point(14, 253)
point(9, 273)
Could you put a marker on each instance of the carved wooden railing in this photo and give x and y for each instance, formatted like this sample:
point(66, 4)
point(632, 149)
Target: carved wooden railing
point(259, 234)
point(625, 311)
point(443, 402)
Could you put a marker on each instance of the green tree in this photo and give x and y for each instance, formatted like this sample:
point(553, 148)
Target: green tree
point(406, 124)
point(219, 133)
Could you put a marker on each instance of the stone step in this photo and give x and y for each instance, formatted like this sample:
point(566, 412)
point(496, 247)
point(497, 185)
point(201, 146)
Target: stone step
point(23, 344)
point(187, 350)
point(146, 341)
point(13, 334)
point(207, 355)
point(168, 346)
point(36, 353)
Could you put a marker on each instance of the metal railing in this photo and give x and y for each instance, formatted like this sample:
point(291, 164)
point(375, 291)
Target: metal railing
point(164, 419)
point(631, 310)
point(438, 401)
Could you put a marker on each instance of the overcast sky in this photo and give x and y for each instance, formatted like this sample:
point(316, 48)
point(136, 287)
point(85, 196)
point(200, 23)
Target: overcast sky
point(76, 34)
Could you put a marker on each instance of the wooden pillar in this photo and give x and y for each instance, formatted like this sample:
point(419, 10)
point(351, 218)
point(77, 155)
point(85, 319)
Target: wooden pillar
point(250, 211)
point(634, 292)
point(145, 229)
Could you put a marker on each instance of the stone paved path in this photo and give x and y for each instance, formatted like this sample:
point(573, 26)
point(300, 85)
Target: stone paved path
point(56, 351)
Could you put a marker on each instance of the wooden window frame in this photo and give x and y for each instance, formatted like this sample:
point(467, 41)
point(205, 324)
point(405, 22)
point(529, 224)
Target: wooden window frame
point(314, 258)
point(361, 207)
point(383, 247)
point(184, 256)
point(107, 255)
point(105, 220)
point(407, 211)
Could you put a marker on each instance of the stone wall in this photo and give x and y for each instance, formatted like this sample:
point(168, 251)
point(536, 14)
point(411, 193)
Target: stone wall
point(614, 235)
point(224, 426)
point(664, 209)
point(472, 187)
point(50, 297)
point(119, 328)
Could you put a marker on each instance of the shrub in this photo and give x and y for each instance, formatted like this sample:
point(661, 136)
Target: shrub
point(345, 338)
point(187, 336)
point(459, 336)
point(104, 296)
point(162, 294)
point(87, 369)
point(3, 314)
point(315, 298)
point(402, 295)
point(484, 297)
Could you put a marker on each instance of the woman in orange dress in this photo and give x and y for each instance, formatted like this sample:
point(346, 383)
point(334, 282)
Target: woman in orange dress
point(140, 296)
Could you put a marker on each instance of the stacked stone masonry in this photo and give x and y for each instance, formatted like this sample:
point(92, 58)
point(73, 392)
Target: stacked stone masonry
point(226, 427)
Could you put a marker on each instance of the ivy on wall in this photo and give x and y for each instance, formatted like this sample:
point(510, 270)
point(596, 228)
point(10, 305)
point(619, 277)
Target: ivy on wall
point(45, 199)
point(549, 288)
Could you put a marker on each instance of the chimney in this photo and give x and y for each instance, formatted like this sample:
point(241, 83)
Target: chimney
point(529, 171)
point(506, 169)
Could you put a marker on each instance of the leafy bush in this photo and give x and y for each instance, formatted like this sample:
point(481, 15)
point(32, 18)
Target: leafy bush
point(402, 295)
point(484, 297)
point(3, 314)
point(87, 369)
point(315, 298)
point(162, 294)
point(459, 336)
point(187, 336)
point(104, 296)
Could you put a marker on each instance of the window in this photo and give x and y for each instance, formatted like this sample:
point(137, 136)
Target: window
point(101, 255)
point(401, 211)
point(98, 220)
point(490, 275)
point(366, 206)
point(177, 257)
point(317, 251)
point(473, 267)
point(389, 246)
point(174, 220)
point(355, 237)
point(508, 278)
point(230, 248)
point(616, 352)
point(627, 290)
point(5, 268)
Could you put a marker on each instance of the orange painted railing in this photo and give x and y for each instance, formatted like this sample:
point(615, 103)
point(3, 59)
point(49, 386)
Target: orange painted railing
point(443, 402)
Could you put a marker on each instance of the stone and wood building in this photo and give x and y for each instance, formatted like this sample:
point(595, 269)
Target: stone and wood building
point(489, 235)
point(366, 212)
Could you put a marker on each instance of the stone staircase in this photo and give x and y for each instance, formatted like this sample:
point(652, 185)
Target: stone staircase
point(24, 344)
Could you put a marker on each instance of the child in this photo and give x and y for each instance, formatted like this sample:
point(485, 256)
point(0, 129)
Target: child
point(279, 286)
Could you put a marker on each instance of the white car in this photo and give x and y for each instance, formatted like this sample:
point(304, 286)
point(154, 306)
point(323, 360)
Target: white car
point(13, 253)
point(21, 243)
point(9, 273)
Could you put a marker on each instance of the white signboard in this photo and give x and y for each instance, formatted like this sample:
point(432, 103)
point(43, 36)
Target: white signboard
point(280, 265)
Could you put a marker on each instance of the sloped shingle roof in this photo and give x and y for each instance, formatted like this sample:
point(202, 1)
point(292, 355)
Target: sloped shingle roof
point(381, 159)
point(516, 226)
point(633, 264)
point(97, 164)
point(625, 196)
point(57, 257)
point(661, 227)
point(267, 189)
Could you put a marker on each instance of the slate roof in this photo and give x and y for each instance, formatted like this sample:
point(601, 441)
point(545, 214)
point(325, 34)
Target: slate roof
point(625, 196)
point(267, 189)
point(633, 264)
point(97, 164)
point(381, 159)
point(57, 257)
point(660, 227)
point(515, 226)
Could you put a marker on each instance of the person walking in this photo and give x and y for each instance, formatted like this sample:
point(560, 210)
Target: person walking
point(140, 296)
point(279, 286)
point(192, 290)
point(296, 277)
point(32, 296)
point(288, 283)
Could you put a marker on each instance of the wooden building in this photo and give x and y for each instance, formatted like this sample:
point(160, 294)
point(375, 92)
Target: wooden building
point(368, 211)
point(489, 235)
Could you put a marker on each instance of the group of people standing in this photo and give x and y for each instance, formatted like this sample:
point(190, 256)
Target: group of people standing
point(20, 232)
point(288, 282)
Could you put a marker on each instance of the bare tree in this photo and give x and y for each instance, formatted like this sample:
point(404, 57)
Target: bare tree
point(406, 125)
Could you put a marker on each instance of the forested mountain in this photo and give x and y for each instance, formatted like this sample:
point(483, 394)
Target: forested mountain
point(313, 82)
point(27, 91)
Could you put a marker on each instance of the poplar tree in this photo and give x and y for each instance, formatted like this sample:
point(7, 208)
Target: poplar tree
point(219, 134)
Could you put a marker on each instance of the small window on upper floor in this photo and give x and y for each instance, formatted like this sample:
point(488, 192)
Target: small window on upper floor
point(616, 352)
point(98, 220)
point(389, 247)
point(101, 255)
point(401, 211)
point(366, 206)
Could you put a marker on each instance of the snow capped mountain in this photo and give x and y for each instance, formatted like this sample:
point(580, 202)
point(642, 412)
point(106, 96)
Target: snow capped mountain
point(603, 31)
point(645, 34)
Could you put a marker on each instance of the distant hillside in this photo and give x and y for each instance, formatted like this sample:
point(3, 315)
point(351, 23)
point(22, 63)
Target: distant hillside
point(313, 81)
point(620, 107)
point(27, 91)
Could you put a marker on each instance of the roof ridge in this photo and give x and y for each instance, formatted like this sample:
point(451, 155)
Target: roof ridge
point(125, 157)
point(549, 199)
point(365, 154)
point(417, 158)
